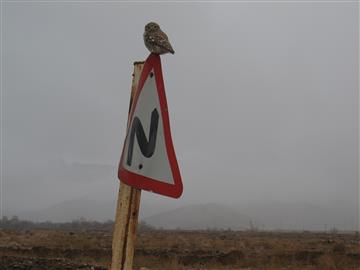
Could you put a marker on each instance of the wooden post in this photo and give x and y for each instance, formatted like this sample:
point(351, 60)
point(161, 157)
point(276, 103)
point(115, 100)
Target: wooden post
point(127, 210)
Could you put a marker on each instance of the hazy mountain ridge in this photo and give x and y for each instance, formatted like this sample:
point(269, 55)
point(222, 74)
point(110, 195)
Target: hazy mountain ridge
point(71, 210)
point(200, 216)
point(297, 216)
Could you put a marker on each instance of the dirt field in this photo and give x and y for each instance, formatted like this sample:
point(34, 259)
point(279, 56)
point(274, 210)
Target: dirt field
point(175, 250)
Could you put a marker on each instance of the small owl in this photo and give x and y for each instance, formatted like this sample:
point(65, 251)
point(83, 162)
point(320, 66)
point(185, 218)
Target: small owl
point(156, 40)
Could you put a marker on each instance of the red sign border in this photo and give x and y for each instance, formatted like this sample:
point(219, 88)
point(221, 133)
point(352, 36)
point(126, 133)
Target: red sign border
point(143, 182)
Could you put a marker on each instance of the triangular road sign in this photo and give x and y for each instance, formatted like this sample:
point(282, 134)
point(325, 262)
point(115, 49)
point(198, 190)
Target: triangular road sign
point(148, 159)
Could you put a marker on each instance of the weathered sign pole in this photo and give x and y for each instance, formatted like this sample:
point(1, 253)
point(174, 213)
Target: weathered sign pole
point(148, 159)
point(127, 209)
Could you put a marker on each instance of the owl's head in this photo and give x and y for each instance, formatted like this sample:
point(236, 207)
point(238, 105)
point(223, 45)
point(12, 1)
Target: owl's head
point(151, 27)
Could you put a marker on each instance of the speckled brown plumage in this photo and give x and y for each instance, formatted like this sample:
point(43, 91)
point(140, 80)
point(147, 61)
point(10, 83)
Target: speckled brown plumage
point(156, 40)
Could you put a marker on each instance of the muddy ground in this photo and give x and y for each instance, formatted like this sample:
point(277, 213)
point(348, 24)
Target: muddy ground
point(180, 250)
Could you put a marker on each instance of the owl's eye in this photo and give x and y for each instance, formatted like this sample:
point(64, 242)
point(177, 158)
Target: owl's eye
point(152, 27)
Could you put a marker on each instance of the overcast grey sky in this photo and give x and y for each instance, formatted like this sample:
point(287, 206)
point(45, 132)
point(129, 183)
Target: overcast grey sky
point(263, 100)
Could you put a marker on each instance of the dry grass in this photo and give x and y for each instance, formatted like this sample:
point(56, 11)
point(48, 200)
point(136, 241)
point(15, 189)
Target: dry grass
point(182, 250)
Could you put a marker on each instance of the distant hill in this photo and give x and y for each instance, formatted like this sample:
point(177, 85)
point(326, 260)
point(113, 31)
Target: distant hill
point(272, 215)
point(90, 209)
point(71, 210)
point(200, 216)
point(161, 213)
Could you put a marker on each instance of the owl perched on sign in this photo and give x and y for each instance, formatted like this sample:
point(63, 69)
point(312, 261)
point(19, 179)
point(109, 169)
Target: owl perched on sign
point(156, 40)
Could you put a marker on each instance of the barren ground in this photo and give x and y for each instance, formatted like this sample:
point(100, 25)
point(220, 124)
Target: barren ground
point(181, 250)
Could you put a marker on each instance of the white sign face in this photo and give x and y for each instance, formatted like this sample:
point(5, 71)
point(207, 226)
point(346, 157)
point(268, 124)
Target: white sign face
point(148, 160)
point(155, 163)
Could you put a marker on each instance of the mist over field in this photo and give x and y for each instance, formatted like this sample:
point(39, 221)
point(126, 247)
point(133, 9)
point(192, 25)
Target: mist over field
point(263, 102)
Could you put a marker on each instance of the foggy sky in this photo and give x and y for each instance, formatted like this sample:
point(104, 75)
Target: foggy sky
point(263, 100)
